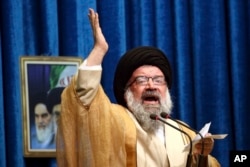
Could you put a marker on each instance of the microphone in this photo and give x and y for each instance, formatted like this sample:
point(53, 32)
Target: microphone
point(201, 157)
point(189, 158)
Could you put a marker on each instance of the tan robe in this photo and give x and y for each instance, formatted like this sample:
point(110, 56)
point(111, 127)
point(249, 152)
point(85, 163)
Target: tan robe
point(93, 132)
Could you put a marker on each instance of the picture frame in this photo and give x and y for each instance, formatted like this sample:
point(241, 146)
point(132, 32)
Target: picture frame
point(43, 78)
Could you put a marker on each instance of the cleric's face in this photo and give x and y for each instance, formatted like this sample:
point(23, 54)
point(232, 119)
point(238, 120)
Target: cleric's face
point(147, 93)
point(148, 78)
point(42, 116)
point(56, 111)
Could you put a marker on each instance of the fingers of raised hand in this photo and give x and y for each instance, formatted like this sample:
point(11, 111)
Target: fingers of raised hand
point(93, 17)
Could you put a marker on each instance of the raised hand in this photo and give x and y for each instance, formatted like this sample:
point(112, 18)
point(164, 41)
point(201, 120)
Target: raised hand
point(100, 42)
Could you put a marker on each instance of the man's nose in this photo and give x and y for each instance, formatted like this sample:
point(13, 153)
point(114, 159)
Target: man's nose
point(40, 119)
point(150, 83)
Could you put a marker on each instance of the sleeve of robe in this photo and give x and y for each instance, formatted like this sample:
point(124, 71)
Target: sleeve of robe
point(92, 132)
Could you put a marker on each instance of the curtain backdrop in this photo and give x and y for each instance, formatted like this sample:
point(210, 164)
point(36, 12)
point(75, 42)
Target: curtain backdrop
point(206, 41)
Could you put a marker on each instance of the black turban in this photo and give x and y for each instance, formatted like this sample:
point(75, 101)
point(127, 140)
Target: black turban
point(133, 59)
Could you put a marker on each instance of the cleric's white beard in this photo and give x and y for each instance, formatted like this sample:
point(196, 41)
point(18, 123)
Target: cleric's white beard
point(142, 112)
point(44, 135)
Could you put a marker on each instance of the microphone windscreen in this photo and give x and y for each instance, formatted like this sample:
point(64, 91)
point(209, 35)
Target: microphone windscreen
point(164, 115)
point(153, 116)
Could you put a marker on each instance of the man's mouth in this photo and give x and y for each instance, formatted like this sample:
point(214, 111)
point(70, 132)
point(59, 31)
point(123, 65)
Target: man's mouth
point(150, 98)
point(41, 126)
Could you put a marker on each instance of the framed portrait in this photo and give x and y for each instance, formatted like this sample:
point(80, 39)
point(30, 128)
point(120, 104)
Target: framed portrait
point(43, 78)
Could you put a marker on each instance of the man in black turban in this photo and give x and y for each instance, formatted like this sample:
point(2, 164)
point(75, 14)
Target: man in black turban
point(134, 58)
point(92, 131)
point(144, 62)
point(53, 103)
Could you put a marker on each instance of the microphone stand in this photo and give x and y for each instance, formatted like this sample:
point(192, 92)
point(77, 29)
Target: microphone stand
point(201, 157)
point(189, 158)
